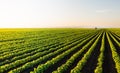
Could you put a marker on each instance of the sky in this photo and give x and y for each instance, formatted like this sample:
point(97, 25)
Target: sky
point(59, 13)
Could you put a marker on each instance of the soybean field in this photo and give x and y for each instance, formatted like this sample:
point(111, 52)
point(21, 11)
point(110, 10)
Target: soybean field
point(62, 50)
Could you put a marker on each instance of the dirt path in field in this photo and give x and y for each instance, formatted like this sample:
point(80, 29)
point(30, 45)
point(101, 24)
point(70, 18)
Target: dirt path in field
point(92, 61)
point(108, 63)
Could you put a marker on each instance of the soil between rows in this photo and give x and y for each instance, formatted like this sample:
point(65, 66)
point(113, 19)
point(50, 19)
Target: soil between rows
point(49, 70)
point(92, 61)
point(52, 68)
point(115, 36)
point(116, 45)
point(108, 63)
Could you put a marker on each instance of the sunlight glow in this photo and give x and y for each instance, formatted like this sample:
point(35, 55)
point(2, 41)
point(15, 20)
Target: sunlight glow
point(59, 13)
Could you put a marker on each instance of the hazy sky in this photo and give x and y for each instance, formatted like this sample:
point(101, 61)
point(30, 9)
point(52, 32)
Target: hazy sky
point(59, 13)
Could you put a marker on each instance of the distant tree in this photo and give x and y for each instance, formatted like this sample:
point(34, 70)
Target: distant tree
point(95, 27)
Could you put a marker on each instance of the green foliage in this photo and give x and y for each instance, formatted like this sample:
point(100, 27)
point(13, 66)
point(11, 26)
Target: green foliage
point(82, 62)
point(70, 61)
point(41, 49)
point(115, 55)
point(99, 68)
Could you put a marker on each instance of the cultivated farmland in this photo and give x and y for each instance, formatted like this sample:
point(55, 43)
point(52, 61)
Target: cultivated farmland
point(60, 50)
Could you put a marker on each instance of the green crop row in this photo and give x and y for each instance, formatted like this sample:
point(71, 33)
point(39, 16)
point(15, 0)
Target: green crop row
point(115, 55)
point(82, 62)
point(34, 62)
point(20, 51)
point(39, 50)
point(57, 50)
point(118, 43)
point(99, 68)
point(70, 61)
point(41, 68)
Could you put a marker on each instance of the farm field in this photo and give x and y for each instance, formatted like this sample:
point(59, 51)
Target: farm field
point(66, 50)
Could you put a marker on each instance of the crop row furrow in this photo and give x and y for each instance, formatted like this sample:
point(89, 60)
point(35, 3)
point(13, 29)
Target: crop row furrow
point(19, 62)
point(83, 61)
point(20, 51)
point(46, 57)
point(66, 67)
point(99, 66)
point(39, 50)
point(115, 55)
point(12, 53)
